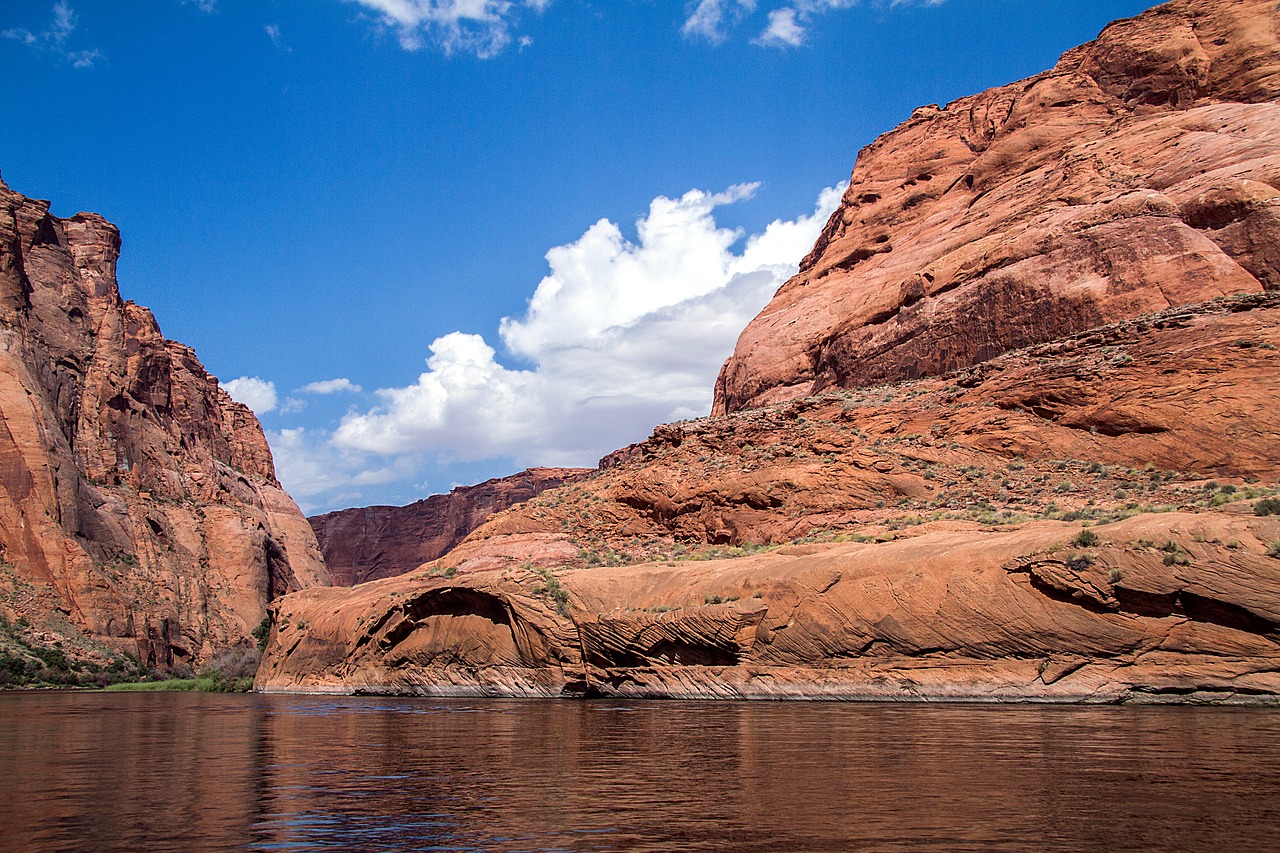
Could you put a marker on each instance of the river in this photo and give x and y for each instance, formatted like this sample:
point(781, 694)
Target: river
point(197, 772)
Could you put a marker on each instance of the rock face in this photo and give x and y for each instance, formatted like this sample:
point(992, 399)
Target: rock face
point(1142, 172)
point(935, 545)
point(1004, 437)
point(139, 507)
point(948, 615)
point(374, 542)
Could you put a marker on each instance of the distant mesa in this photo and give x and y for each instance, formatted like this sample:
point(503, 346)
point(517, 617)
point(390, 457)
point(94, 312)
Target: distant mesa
point(374, 542)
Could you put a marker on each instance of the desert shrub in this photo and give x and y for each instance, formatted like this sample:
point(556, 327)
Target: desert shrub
point(1273, 550)
point(558, 594)
point(1267, 506)
point(1086, 539)
point(232, 670)
point(1115, 576)
point(1080, 562)
point(1174, 555)
point(262, 632)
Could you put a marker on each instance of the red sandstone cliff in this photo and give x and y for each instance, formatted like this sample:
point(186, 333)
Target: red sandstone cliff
point(139, 509)
point(1142, 172)
point(1003, 437)
point(374, 542)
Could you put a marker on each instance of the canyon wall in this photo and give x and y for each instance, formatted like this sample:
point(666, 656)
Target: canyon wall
point(367, 543)
point(1010, 434)
point(1141, 172)
point(139, 509)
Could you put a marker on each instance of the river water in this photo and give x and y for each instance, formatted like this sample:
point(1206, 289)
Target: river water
point(197, 772)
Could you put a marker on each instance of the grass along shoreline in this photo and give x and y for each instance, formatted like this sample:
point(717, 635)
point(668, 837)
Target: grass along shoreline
point(203, 684)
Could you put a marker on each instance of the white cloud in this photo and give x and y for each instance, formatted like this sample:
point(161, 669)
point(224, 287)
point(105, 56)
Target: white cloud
point(602, 281)
point(64, 21)
point(319, 475)
point(622, 335)
point(273, 33)
point(481, 27)
point(342, 385)
point(258, 394)
point(84, 58)
point(788, 22)
point(710, 19)
point(205, 6)
point(783, 31)
point(54, 38)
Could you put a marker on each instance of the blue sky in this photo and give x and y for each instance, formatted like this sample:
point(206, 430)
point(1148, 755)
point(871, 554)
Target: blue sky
point(570, 208)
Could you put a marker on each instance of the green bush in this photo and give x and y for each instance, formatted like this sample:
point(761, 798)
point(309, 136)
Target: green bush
point(551, 586)
point(1080, 562)
point(1086, 539)
point(1267, 506)
point(230, 671)
point(262, 632)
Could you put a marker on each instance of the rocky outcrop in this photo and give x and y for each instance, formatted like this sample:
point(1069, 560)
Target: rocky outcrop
point(374, 542)
point(1139, 412)
point(921, 541)
point(1005, 437)
point(945, 616)
point(1142, 172)
point(138, 502)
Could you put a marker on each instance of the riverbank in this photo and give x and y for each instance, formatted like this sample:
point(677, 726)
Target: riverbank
point(197, 685)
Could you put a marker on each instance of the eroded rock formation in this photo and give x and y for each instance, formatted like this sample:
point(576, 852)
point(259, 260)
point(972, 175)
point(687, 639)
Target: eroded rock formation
point(139, 509)
point(374, 542)
point(1004, 437)
point(1142, 172)
point(947, 615)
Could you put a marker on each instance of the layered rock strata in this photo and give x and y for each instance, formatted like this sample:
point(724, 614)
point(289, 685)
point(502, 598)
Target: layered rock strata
point(374, 542)
point(1007, 435)
point(1142, 172)
point(139, 509)
point(945, 616)
point(951, 506)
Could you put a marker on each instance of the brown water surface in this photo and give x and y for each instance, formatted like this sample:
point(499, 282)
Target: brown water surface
point(196, 772)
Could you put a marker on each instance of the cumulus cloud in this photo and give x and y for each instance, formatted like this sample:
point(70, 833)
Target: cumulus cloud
point(342, 385)
point(320, 475)
point(291, 405)
point(480, 27)
point(54, 39)
point(783, 30)
point(256, 393)
point(622, 335)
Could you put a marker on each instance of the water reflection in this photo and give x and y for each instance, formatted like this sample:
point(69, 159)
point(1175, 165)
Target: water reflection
point(201, 772)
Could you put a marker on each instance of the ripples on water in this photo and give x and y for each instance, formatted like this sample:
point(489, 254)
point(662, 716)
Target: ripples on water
point(196, 772)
